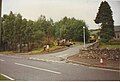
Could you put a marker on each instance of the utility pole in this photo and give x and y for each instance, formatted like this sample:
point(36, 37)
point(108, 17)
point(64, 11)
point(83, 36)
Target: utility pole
point(0, 25)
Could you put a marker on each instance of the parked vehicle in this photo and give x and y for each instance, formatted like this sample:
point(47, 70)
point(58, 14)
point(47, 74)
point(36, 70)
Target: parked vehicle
point(92, 39)
point(65, 42)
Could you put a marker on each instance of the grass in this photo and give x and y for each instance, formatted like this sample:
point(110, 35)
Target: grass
point(103, 45)
point(36, 51)
point(110, 46)
point(41, 50)
point(2, 78)
point(7, 52)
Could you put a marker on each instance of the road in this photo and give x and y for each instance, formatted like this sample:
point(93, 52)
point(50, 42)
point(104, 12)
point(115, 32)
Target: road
point(24, 69)
point(57, 57)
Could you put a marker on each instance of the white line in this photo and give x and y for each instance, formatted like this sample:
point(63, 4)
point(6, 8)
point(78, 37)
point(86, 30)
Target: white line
point(76, 64)
point(38, 68)
point(63, 55)
point(2, 60)
point(10, 56)
point(7, 77)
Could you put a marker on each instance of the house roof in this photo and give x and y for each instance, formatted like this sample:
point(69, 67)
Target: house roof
point(117, 28)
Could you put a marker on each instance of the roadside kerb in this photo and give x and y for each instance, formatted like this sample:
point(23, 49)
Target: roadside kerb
point(91, 65)
point(45, 60)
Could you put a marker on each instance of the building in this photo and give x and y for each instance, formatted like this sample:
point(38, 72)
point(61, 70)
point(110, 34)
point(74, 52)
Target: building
point(117, 32)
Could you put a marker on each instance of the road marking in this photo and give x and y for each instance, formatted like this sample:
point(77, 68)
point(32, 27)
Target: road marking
point(38, 68)
point(63, 55)
point(104, 69)
point(10, 56)
point(46, 60)
point(2, 60)
point(7, 77)
point(75, 64)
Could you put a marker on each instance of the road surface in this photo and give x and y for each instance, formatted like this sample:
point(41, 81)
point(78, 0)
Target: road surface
point(57, 57)
point(24, 69)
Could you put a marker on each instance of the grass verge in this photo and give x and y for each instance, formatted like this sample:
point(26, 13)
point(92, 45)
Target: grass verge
point(41, 50)
point(2, 78)
point(37, 51)
point(7, 52)
point(103, 45)
point(52, 49)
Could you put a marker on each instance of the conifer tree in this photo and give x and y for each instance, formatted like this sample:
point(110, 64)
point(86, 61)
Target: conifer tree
point(104, 17)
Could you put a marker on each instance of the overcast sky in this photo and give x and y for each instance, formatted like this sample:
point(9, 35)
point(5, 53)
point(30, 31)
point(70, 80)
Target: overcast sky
point(57, 9)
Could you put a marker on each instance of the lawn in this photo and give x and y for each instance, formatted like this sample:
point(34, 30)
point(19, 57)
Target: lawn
point(52, 49)
point(109, 46)
point(2, 78)
point(7, 52)
point(41, 50)
point(37, 51)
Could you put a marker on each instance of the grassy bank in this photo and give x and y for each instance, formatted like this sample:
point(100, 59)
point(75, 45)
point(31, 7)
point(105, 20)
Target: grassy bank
point(7, 52)
point(51, 49)
point(110, 46)
point(36, 51)
point(41, 50)
point(2, 78)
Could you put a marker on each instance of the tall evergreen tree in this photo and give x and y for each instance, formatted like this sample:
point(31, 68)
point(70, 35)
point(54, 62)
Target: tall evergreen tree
point(104, 16)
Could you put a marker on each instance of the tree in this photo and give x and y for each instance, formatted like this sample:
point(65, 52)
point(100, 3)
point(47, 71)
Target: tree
point(8, 30)
point(20, 34)
point(104, 16)
point(1, 25)
point(70, 28)
point(13, 31)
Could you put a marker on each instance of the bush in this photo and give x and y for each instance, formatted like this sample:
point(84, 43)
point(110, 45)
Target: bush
point(104, 40)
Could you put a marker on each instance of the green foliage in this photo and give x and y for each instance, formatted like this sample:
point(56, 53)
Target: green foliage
point(20, 33)
point(104, 16)
point(110, 45)
point(70, 28)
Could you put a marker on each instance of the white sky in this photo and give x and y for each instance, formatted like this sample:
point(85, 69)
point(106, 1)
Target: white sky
point(57, 9)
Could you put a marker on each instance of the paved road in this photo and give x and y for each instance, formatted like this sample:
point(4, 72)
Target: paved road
point(57, 57)
point(23, 69)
